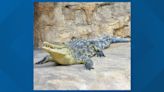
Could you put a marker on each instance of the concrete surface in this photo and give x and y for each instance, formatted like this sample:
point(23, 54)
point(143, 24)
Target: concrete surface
point(111, 72)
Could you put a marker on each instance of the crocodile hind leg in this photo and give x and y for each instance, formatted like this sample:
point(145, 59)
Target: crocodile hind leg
point(44, 60)
point(100, 53)
point(88, 62)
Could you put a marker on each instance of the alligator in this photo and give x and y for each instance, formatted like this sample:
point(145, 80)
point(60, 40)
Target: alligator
point(78, 51)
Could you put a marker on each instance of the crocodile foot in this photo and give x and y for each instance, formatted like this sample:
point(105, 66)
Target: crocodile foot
point(100, 54)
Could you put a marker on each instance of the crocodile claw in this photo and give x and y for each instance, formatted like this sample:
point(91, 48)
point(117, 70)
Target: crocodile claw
point(89, 68)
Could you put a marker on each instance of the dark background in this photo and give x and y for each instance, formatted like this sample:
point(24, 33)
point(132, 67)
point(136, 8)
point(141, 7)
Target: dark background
point(16, 45)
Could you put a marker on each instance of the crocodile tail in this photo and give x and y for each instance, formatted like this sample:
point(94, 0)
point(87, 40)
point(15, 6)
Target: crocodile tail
point(118, 39)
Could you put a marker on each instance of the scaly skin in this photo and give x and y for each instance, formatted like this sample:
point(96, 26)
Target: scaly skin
point(78, 51)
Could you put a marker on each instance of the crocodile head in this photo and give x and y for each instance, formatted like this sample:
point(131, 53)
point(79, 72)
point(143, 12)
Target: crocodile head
point(56, 48)
point(58, 52)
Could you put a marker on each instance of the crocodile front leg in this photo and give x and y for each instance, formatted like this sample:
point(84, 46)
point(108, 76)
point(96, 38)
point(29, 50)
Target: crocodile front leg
point(44, 60)
point(88, 62)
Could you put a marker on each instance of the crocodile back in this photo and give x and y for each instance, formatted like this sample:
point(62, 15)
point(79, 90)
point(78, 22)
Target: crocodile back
point(81, 48)
point(102, 42)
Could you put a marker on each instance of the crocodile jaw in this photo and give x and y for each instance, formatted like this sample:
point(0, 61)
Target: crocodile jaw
point(55, 48)
point(59, 52)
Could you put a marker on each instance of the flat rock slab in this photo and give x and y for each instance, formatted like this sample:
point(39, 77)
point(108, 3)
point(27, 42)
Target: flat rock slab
point(111, 72)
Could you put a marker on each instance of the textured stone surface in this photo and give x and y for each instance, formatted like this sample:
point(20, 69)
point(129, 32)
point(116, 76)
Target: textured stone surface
point(59, 22)
point(111, 72)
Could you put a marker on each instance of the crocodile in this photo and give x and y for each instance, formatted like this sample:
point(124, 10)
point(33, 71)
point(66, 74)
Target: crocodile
point(78, 51)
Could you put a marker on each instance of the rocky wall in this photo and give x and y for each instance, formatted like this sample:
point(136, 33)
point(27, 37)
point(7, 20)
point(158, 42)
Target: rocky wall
point(59, 22)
